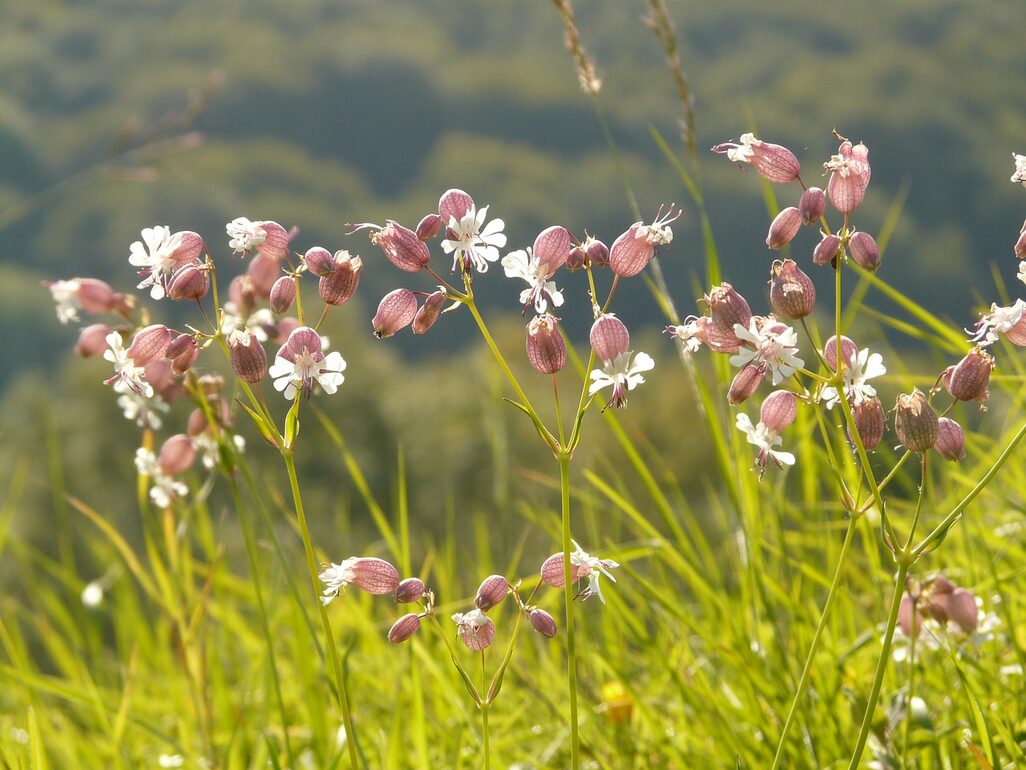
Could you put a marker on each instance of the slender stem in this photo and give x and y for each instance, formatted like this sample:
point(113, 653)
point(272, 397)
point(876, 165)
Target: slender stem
point(881, 664)
point(612, 291)
point(803, 682)
point(559, 416)
point(908, 696)
point(484, 716)
point(299, 302)
point(919, 501)
point(324, 314)
point(571, 650)
point(311, 561)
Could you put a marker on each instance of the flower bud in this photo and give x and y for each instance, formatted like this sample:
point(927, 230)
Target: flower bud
point(493, 590)
point(247, 356)
point(409, 590)
point(338, 287)
point(176, 455)
point(577, 259)
point(745, 383)
point(429, 227)
point(546, 349)
point(597, 251)
point(609, 337)
point(92, 340)
point(429, 312)
point(792, 292)
point(96, 296)
point(779, 410)
point(402, 247)
point(784, 228)
point(319, 261)
point(149, 343)
point(727, 308)
point(542, 622)
point(869, 422)
point(262, 273)
point(961, 607)
point(375, 576)
point(404, 628)
point(189, 282)
point(915, 422)
point(182, 352)
point(812, 205)
point(826, 250)
point(950, 439)
point(552, 248)
point(454, 204)
point(283, 294)
point(849, 350)
point(396, 311)
point(968, 379)
point(864, 251)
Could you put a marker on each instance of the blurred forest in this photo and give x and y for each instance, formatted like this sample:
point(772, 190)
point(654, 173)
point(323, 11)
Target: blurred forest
point(318, 113)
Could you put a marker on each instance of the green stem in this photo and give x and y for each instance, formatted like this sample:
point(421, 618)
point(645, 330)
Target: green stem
point(911, 681)
point(484, 717)
point(804, 680)
point(571, 650)
point(881, 665)
point(311, 561)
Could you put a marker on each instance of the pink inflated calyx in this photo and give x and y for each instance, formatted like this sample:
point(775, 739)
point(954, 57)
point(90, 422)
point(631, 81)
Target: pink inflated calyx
point(318, 261)
point(849, 176)
point(492, 591)
point(968, 380)
point(375, 576)
point(454, 204)
point(915, 421)
point(189, 283)
point(340, 284)
point(774, 162)
point(870, 422)
point(546, 348)
point(826, 250)
point(727, 308)
point(283, 294)
point(633, 250)
point(182, 353)
point(745, 383)
point(784, 228)
point(176, 455)
point(864, 251)
point(542, 622)
point(429, 312)
point(812, 205)
point(92, 340)
point(552, 248)
point(396, 311)
point(849, 351)
point(149, 343)
point(792, 292)
point(779, 410)
point(429, 226)
point(247, 356)
point(402, 247)
point(262, 272)
point(410, 590)
point(609, 337)
point(476, 630)
point(404, 628)
point(950, 439)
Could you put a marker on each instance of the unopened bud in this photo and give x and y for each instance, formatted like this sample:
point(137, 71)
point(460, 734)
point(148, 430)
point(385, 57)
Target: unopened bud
point(283, 294)
point(950, 439)
point(961, 606)
point(404, 628)
point(176, 455)
point(792, 292)
point(812, 205)
point(182, 352)
point(864, 251)
point(542, 622)
point(429, 312)
point(968, 379)
point(745, 383)
point(552, 248)
point(597, 251)
point(189, 283)
point(429, 227)
point(727, 308)
point(779, 410)
point(546, 349)
point(492, 591)
point(849, 351)
point(96, 296)
point(247, 356)
point(409, 590)
point(396, 311)
point(92, 340)
point(375, 576)
point(915, 422)
point(403, 247)
point(338, 287)
point(319, 261)
point(577, 259)
point(149, 343)
point(869, 422)
point(784, 228)
point(609, 337)
point(826, 250)
point(262, 273)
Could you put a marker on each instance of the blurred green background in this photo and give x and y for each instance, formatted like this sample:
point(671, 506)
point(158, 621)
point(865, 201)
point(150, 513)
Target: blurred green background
point(316, 114)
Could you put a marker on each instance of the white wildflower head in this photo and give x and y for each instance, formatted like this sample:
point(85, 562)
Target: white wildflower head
point(857, 373)
point(164, 487)
point(245, 235)
point(158, 255)
point(145, 412)
point(584, 565)
point(473, 243)
point(999, 320)
point(127, 373)
point(336, 577)
point(687, 333)
point(1019, 177)
point(769, 343)
point(623, 374)
point(475, 629)
point(765, 441)
point(300, 364)
point(65, 297)
point(524, 264)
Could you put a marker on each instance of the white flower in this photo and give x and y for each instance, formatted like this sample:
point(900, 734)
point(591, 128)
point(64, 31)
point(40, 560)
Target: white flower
point(1022, 271)
point(742, 153)
point(256, 323)
point(65, 295)
point(764, 440)
point(771, 343)
point(524, 264)
point(171, 760)
point(244, 235)
point(155, 254)
point(474, 244)
point(126, 372)
point(92, 594)
point(592, 568)
point(144, 411)
point(687, 333)
point(998, 321)
point(622, 375)
point(336, 577)
point(865, 367)
point(207, 448)
point(307, 369)
point(164, 487)
point(1020, 169)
